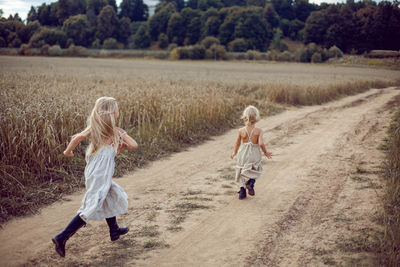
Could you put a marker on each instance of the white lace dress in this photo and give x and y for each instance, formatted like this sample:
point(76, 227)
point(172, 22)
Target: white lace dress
point(248, 164)
point(103, 198)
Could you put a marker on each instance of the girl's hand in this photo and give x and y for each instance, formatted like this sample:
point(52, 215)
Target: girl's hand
point(268, 155)
point(121, 148)
point(233, 155)
point(68, 154)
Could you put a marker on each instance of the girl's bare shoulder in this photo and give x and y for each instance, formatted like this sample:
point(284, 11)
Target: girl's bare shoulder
point(258, 130)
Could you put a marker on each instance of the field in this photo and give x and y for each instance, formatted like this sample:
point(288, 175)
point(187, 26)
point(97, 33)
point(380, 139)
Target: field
point(165, 106)
point(316, 204)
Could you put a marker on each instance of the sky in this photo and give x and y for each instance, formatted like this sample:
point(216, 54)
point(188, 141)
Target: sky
point(22, 6)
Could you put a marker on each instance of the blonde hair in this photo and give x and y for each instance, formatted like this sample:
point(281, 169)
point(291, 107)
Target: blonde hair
point(101, 124)
point(251, 115)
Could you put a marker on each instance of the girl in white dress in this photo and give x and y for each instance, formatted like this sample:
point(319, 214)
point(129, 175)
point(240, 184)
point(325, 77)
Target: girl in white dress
point(248, 146)
point(103, 199)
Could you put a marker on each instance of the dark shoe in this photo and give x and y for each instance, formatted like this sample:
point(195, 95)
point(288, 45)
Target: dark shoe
point(250, 187)
point(60, 239)
point(115, 230)
point(242, 193)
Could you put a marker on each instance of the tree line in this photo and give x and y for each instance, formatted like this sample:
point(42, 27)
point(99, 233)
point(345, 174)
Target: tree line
point(238, 25)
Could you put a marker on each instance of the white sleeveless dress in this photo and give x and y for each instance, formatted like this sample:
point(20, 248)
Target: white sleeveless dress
point(103, 198)
point(248, 162)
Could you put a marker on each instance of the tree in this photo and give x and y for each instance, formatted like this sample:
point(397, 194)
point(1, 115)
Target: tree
point(163, 40)
point(193, 32)
point(211, 27)
point(136, 10)
point(44, 14)
point(206, 4)
point(142, 37)
point(113, 3)
point(67, 8)
point(48, 36)
point(25, 33)
point(315, 27)
point(255, 30)
point(238, 45)
point(124, 30)
point(271, 16)
point(159, 21)
point(107, 23)
point(192, 4)
point(178, 4)
point(176, 29)
point(32, 14)
point(77, 28)
point(260, 3)
point(284, 8)
point(95, 5)
point(302, 9)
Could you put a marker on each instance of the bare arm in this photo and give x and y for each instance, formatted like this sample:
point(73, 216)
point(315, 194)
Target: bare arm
point(237, 145)
point(128, 143)
point(75, 142)
point(262, 145)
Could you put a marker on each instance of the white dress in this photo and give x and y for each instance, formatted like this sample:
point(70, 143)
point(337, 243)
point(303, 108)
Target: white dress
point(103, 198)
point(248, 164)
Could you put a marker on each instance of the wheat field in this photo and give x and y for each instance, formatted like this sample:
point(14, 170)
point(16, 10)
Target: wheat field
point(166, 106)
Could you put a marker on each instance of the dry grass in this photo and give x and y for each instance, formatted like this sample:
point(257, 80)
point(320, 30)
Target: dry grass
point(392, 195)
point(165, 106)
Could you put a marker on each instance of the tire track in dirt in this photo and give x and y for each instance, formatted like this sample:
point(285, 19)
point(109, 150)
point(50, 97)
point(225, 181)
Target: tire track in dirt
point(315, 150)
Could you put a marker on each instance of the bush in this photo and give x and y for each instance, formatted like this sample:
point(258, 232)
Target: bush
point(253, 55)
point(188, 52)
point(335, 51)
point(3, 42)
point(216, 52)
point(174, 54)
point(76, 51)
point(209, 41)
point(55, 51)
point(16, 42)
point(172, 46)
point(316, 58)
point(48, 36)
point(110, 43)
point(162, 41)
point(324, 54)
point(272, 55)
point(96, 44)
point(69, 42)
point(44, 50)
point(23, 50)
point(285, 56)
point(238, 45)
point(283, 46)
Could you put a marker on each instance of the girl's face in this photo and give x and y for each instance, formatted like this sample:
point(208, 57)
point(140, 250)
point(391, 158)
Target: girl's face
point(116, 114)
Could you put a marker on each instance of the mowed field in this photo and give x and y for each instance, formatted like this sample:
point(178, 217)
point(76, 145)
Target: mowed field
point(166, 106)
point(318, 202)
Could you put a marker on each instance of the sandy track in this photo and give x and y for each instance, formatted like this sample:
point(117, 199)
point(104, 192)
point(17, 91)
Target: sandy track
point(309, 203)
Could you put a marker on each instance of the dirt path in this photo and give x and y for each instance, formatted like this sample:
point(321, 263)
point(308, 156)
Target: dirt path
point(317, 202)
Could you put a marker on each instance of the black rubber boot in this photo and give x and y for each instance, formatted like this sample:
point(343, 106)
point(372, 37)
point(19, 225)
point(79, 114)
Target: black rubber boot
point(242, 193)
point(115, 230)
point(250, 187)
point(60, 239)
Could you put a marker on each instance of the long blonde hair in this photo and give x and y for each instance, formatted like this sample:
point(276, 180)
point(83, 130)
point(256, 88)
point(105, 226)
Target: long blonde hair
point(250, 115)
point(101, 124)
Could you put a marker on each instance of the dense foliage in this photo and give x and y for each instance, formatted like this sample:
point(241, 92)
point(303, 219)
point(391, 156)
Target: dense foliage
point(238, 25)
